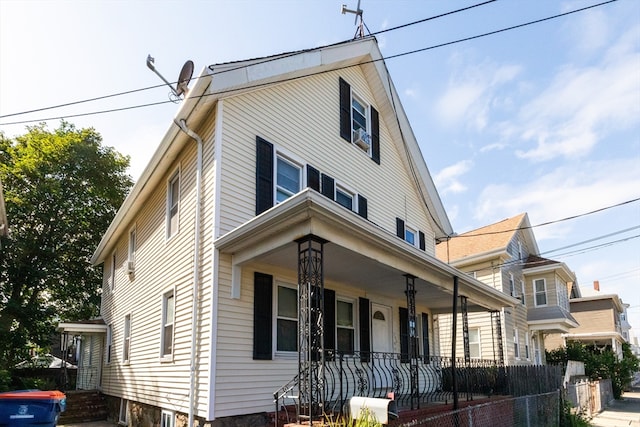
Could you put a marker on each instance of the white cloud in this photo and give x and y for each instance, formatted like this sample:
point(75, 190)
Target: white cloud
point(568, 190)
point(447, 180)
point(582, 105)
point(411, 93)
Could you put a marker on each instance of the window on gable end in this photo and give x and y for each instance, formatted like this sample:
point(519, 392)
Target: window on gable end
point(512, 285)
point(359, 122)
point(173, 204)
point(126, 344)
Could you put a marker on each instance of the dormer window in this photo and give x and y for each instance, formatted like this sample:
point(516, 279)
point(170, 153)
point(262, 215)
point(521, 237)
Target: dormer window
point(359, 122)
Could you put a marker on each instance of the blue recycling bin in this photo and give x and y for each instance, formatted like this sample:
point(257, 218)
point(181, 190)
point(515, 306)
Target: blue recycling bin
point(25, 408)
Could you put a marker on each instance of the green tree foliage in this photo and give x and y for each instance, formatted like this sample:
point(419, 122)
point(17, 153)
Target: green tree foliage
point(62, 188)
point(599, 363)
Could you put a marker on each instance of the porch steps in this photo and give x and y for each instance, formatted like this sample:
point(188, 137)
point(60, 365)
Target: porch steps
point(83, 406)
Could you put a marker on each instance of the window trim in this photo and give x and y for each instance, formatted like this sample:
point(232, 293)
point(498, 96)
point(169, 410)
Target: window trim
point(512, 285)
point(522, 292)
point(516, 344)
point(367, 117)
point(109, 344)
point(172, 418)
point(126, 339)
point(167, 357)
point(133, 244)
point(478, 343)
point(354, 319)
point(124, 404)
point(283, 353)
point(176, 175)
point(414, 232)
point(527, 352)
point(536, 292)
point(293, 161)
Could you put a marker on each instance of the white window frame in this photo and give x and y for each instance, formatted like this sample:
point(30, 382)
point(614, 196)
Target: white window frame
point(519, 250)
point(170, 232)
point(112, 273)
point(347, 192)
point(126, 339)
point(164, 324)
point(353, 320)
point(536, 292)
point(367, 117)
point(131, 256)
point(286, 353)
point(291, 160)
point(477, 344)
point(167, 418)
point(512, 285)
point(527, 352)
point(123, 413)
point(522, 292)
point(516, 343)
point(109, 343)
point(414, 232)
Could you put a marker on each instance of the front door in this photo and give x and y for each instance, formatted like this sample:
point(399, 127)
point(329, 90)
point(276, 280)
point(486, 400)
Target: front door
point(381, 342)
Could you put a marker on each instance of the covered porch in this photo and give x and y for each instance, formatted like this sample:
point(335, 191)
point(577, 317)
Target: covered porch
point(399, 288)
point(85, 341)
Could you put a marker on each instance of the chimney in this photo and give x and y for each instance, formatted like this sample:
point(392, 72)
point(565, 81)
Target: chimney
point(596, 285)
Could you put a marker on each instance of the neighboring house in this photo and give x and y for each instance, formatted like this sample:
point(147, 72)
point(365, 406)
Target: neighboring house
point(4, 223)
point(504, 255)
point(600, 317)
point(281, 177)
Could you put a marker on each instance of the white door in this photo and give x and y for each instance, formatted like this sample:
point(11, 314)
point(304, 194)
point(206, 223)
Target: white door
point(381, 342)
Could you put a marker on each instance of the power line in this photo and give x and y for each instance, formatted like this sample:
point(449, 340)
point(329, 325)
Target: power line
point(302, 76)
point(592, 240)
point(128, 92)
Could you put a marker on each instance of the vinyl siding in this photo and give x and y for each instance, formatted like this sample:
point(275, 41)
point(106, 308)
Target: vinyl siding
point(301, 117)
point(163, 265)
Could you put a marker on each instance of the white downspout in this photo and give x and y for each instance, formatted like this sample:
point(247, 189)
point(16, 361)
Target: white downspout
point(182, 124)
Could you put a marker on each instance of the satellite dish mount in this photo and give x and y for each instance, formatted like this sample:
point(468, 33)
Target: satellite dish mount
point(183, 79)
point(358, 13)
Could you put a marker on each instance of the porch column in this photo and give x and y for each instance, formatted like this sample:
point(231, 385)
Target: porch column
point(496, 324)
point(310, 327)
point(410, 292)
point(465, 329)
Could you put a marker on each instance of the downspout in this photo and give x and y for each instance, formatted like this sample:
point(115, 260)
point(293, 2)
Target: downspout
point(182, 124)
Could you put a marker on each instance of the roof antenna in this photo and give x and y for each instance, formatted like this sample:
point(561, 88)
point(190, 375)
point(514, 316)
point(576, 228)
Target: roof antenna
point(183, 79)
point(358, 13)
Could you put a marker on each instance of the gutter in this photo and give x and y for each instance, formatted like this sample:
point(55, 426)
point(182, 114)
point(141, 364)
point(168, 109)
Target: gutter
point(182, 124)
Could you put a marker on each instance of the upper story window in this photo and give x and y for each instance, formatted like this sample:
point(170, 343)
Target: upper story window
point(288, 178)
point(168, 318)
point(109, 342)
point(112, 273)
point(410, 235)
point(623, 317)
point(345, 197)
point(519, 249)
point(287, 319)
point(131, 262)
point(563, 294)
point(540, 292)
point(512, 285)
point(173, 204)
point(522, 295)
point(359, 122)
point(126, 345)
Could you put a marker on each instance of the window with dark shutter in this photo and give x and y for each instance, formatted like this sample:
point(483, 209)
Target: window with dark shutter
point(262, 316)
point(423, 243)
point(365, 329)
point(328, 186)
point(375, 136)
point(345, 110)
point(425, 337)
point(264, 175)
point(363, 210)
point(404, 335)
point(313, 178)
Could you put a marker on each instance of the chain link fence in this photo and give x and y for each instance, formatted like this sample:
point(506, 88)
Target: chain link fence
point(541, 410)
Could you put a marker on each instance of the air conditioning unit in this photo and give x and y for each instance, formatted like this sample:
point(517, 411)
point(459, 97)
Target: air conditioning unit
point(131, 267)
point(362, 139)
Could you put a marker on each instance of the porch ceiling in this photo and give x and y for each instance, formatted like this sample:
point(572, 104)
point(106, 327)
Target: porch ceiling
point(359, 254)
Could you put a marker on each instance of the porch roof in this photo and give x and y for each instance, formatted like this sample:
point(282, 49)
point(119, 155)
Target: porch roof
point(552, 319)
point(92, 326)
point(359, 253)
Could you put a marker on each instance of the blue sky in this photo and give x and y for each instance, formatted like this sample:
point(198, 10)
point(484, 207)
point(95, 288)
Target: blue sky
point(543, 119)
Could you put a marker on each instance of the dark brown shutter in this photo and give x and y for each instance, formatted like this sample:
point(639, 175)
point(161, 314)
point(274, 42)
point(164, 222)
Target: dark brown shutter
point(362, 207)
point(313, 178)
point(264, 175)
point(375, 136)
point(328, 187)
point(345, 110)
point(365, 329)
point(425, 337)
point(329, 321)
point(404, 335)
point(423, 243)
point(262, 316)
point(400, 228)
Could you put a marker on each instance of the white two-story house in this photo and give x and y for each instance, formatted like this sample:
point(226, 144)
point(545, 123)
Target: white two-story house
point(284, 229)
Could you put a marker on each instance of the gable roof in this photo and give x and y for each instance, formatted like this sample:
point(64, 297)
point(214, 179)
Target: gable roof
point(488, 241)
point(222, 80)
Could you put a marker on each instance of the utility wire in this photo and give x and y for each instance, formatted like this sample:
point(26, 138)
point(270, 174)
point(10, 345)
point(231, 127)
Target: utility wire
point(591, 240)
point(265, 60)
point(306, 75)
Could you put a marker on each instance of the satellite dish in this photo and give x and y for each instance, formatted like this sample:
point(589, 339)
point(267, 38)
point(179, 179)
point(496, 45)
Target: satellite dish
point(184, 78)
